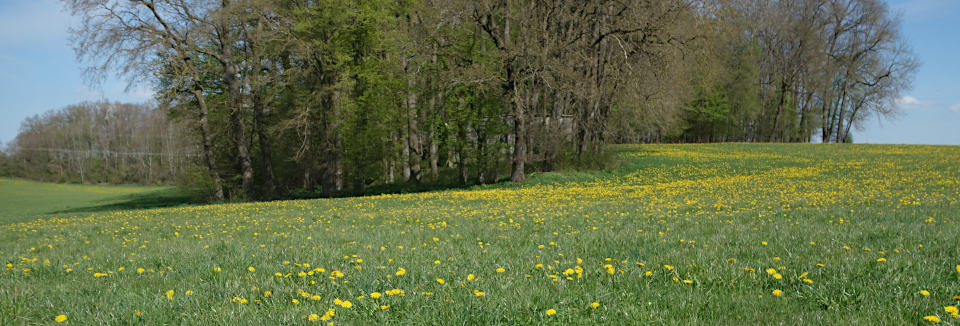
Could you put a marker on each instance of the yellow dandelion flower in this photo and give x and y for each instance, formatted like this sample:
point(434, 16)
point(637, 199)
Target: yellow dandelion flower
point(267, 293)
point(777, 276)
point(189, 292)
point(778, 292)
point(500, 270)
point(952, 310)
point(375, 295)
point(771, 271)
point(932, 319)
point(470, 277)
point(313, 317)
point(251, 269)
point(668, 267)
point(551, 312)
point(169, 294)
point(401, 271)
point(881, 259)
point(478, 293)
point(925, 292)
point(139, 270)
point(732, 260)
point(60, 318)
point(295, 301)
point(385, 307)
point(595, 305)
point(346, 304)
point(440, 280)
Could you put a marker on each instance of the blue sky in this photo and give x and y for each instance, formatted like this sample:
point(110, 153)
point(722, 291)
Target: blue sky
point(38, 71)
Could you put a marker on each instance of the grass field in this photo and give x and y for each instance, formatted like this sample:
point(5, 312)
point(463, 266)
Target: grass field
point(679, 234)
point(24, 200)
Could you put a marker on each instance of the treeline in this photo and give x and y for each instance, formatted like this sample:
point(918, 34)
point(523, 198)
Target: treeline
point(101, 142)
point(337, 96)
point(797, 71)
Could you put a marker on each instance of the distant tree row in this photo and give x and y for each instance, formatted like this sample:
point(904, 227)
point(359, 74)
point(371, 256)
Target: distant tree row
point(337, 96)
point(101, 142)
point(796, 71)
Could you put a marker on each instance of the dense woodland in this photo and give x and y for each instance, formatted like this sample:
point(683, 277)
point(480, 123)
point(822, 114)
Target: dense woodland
point(269, 98)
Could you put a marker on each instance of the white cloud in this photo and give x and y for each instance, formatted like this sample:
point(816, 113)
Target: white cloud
point(955, 108)
point(140, 93)
point(909, 103)
point(908, 100)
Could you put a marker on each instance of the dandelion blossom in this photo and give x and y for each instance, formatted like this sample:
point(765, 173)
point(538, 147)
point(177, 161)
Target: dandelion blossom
point(595, 305)
point(60, 318)
point(778, 292)
point(952, 310)
point(551, 312)
point(932, 319)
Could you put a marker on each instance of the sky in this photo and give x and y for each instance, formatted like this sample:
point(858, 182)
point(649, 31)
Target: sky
point(39, 72)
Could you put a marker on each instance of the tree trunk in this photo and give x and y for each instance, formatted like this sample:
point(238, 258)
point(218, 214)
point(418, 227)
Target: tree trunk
point(235, 102)
point(413, 132)
point(520, 140)
point(207, 146)
point(264, 141)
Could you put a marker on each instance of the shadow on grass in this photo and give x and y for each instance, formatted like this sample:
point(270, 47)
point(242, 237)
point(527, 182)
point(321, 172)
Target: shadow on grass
point(153, 199)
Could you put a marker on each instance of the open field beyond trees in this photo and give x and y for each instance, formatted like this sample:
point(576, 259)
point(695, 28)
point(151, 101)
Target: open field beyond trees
point(677, 234)
point(25, 200)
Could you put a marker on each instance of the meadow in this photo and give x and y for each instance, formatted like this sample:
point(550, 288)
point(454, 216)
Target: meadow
point(25, 200)
point(754, 234)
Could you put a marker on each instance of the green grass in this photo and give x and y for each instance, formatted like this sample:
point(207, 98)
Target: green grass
point(24, 200)
point(719, 215)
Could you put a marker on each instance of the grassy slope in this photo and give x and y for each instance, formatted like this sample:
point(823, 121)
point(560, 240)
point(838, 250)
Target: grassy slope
point(717, 216)
point(23, 200)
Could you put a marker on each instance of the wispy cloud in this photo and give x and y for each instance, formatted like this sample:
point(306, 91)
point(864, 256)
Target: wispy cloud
point(955, 108)
point(140, 93)
point(910, 103)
